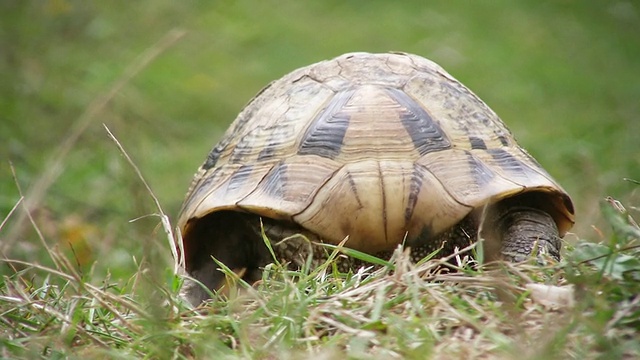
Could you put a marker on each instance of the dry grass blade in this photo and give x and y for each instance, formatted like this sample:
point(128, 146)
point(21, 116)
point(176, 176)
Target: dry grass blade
point(24, 301)
point(54, 168)
point(6, 218)
point(166, 225)
point(13, 209)
point(100, 295)
point(27, 213)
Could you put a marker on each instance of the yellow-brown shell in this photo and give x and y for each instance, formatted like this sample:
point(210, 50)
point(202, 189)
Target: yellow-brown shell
point(371, 146)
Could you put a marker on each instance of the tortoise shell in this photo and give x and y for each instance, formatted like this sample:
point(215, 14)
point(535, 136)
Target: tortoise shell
point(383, 148)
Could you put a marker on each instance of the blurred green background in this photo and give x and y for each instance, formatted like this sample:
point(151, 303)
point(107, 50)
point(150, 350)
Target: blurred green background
point(564, 76)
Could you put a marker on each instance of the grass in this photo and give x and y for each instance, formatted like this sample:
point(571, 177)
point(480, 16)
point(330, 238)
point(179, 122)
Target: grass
point(82, 278)
point(585, 307)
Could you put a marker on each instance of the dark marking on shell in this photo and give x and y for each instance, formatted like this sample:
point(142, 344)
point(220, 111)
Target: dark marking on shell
point(383, 193)
point(477, 143)
point(425, 134)
point(272, 183)
point(481, 117)
point(414, 193)
point(324, 137)
point(354, 189)
point(278, 135)
point(267, 152)
point(506, 161)
point(245, 148)
point(481, 173)
point(213, 156)
point(239, 177)
point(503, 140)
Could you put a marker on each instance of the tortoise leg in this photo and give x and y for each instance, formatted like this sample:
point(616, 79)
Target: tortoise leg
point(227, 237)
point(523, 231)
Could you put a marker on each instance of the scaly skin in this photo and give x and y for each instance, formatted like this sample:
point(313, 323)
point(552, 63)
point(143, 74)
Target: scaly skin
point(525, 232)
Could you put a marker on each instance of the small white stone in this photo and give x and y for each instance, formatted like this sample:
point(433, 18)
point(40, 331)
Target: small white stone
point(552, 296)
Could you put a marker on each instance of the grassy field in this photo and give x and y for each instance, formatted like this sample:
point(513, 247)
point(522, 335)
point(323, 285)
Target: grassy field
point(82, 279)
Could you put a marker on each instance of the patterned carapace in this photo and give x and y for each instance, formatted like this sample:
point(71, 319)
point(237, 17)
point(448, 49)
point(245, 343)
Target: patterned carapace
point(378, 147)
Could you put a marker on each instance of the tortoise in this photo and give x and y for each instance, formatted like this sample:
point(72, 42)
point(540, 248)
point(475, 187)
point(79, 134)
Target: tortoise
point(384, 149)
